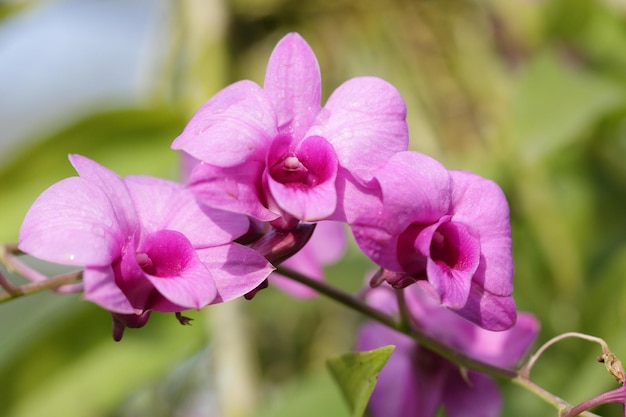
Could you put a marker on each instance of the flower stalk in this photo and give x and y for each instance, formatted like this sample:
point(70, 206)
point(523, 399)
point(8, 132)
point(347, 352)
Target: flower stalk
point(424, 339)
point(38, 286)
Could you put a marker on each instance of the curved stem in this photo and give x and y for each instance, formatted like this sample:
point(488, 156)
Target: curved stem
point(8, 286)
point(48, 284)
point(548, 397)
point(424, 339)
point(525, 371)
point(444, 350)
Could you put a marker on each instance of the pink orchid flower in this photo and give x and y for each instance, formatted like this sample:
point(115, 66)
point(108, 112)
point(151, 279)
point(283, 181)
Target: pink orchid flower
point(448, 231)
point(416, 382)
point(144, 242)
point(275, 154)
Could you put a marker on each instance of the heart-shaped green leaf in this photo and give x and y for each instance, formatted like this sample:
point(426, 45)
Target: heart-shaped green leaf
point(356, 373)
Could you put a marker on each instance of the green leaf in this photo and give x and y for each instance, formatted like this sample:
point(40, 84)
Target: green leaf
point(357, 373)
point(556, 104)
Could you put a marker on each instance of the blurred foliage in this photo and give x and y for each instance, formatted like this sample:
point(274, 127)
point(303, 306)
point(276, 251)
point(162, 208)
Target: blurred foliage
point(528, 93)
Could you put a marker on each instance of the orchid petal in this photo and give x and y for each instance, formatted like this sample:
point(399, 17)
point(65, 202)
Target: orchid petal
point(164, 204)
point(416, 189)
point(441, 323)
point(234, 189)
point(101, 289)
point(114, 188)
point(328, 243)
point(362, 206)
point(72, 223)
point(378, 244)
point(294, 85)
point(479, 396)
point(235, 126)
point(452, 262)
point(176, 272)
point(489, 311)
point(236, 269)
point(480, 203)
point(358, 201)
point(365, 121)
point(506, 348)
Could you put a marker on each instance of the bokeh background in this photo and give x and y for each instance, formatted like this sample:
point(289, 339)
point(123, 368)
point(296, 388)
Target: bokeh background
point(529, 93)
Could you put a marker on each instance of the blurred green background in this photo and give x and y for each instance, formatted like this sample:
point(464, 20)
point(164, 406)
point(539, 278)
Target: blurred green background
point(529, 93)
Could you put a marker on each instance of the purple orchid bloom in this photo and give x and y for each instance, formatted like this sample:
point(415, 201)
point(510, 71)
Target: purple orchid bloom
point(416, 382)
point(275, 154)
point(144, 242)
point(449, 231)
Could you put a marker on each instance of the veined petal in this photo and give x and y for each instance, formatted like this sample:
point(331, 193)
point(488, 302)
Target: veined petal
point(506, 348)
point(481, 204)
point(164, 204)
point(236, 269)
point(101, 289)
point(233, 127)
point(478, 397)
point(365, 121)
point(73, 223)
point(378, 244)
point(489, 311)
point(452, 285)
point(361, 205)
point(235, 189)
point(416, 189)
point(114, 188)
point(358, 202)
point(440, 322)
point(453, 258)
point(328, 243)
point(176, 273)
point(293, 84)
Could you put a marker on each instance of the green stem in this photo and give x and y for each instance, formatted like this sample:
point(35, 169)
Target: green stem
point(424, 339)
point(560, 404)
point(405, 317)
point(428, 341)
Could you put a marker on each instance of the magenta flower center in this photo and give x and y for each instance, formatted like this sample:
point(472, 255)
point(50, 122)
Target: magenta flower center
point(289, 169)
point(455, 247)
point(165, 253)
point(450, 245)
point(445, 248)
point(305, 164)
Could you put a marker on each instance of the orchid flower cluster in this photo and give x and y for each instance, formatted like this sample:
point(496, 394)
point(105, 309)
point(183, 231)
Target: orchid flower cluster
point(263, 165)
